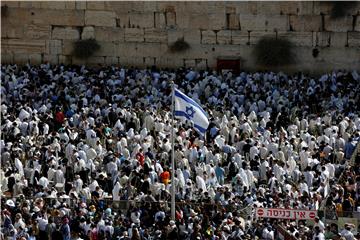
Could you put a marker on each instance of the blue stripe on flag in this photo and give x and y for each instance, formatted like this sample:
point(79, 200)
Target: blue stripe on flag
point(184, 114)
point(189, 100)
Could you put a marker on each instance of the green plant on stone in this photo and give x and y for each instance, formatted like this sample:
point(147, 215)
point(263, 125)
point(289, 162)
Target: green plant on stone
point(179, 45)
point(85, 48)
point(274, 52)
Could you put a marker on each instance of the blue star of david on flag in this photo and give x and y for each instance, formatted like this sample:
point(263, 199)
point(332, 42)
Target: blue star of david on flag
point(187, 108)
point(190, 111)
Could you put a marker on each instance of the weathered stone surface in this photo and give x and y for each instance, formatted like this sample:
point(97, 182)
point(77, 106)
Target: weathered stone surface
point(223, 37)
point(88, 32)
point(264, 8)
point(111, 60)
point(67, 47)
point(24, 46)
point(234, 23)
point(149, 61)
point(287, 8)
point(109, 34)
point(255, 36)
point(192, 36)
point(170, 19)
point(338, 39)
point(53, 59)
point(54, 47)
point(141, 20)
point(323, 39)
point(134, 35)
point(160, 21)
point(100, 18)
point(217, 21)
point(35, 58)
point(208, 37)
point(65, 33)
point(149, 49)
point(357, 23)
point(322, 7)
point(80, 5)
point(305, 23)
point(95, 61)
point(59, 5)
point(95, 5)
point(190, 63)
point(65, 59)
point(10, 4)
point(21, 58)
point(298, 38)
point(12, 31)
point(239, 37)
point(155, 35)
point(197, 21)
point(37, 31)
point(246, 8)
point(107, 49)
point(264, 22)
point(29, 4)
point(174, 35)
point(354, 39)
point(343, 24)
point(56, 17)
point(7, 57)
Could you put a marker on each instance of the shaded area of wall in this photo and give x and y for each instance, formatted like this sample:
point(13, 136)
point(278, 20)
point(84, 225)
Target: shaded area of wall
point(139, 33)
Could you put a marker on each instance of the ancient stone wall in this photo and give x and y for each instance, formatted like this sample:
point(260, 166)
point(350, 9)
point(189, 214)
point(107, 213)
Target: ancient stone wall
point(139, 33)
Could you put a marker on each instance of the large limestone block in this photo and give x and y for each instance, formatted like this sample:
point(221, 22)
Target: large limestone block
point(155, 35)
point(268, 8)
point(29, 4)
point(306, 23)
point(306, 8)
point(190, 63)
point(223, 37)
point(208, 37)
point(54, 47)
point(170, 19)
point(16, 17)
point(141, 20)
point(56, 17)
point(183, 21)
point(134, 35)
point(298, 38)
point(58, 5)
point(68, 33)
point(160, 21)
point(287, 8)
point(239, 37)
point(198, 21)
point(217, 21)
point(12, 30)
point(100, 18)
point(24, 46)
point(343, 24)
point(338, 39)
point(88, 32)
point(111, 60)
point(37, 31)
point(109, 34)
point(246, 7)
point(7, 57)
point(322, 7)
point(255, 36)
point(357, 24)
point(52, 59)
point(10, 4)
point(95, 61)
point(149, 49)
point(354, 39)
point(174, 34)
point(35, 58)
point(192, 36)
point(250, 22)
point(95, 5)
point(80, 5)
point(65, 59)
point(149, 61)
point(107, 49)
point(323, 39)
point(67, 47)
point(21, 58)
point(277, 22)
point(233, 21)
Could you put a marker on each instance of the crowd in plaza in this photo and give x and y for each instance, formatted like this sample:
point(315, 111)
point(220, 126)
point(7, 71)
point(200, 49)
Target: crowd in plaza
point(86, 153)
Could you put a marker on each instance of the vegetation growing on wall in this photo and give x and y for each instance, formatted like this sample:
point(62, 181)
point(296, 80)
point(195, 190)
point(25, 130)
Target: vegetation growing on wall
point(85, 48)
point(4, 11)
point(273, 52)
point(179, 46)
point(341, 9)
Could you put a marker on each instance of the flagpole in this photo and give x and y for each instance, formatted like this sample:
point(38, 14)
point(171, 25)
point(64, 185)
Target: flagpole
point(172, 153)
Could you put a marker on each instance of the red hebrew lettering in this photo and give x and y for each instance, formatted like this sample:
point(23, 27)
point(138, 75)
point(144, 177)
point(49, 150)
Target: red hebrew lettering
point(276, 213)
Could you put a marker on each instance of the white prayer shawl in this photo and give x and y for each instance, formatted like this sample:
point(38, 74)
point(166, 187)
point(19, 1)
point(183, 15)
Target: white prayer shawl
point(181, 178)
point(201, 183)
point(19, 166)
point(115, 192)
point(243, 176)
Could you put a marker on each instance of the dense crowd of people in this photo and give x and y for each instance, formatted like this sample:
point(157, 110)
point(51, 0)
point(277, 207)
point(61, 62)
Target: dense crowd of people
point(86, 153)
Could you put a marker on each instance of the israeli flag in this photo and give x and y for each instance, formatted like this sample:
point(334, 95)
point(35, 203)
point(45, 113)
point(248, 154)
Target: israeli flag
point(187, 108)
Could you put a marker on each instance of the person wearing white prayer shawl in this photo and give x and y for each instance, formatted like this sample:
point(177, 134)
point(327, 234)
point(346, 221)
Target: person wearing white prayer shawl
point(116, 191)
point(44, 182)
point(200, 183)
point(244, 177)
point(59, 176)
point(19, 166)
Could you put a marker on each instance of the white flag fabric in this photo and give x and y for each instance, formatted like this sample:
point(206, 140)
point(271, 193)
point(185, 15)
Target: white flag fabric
point(187, 108)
